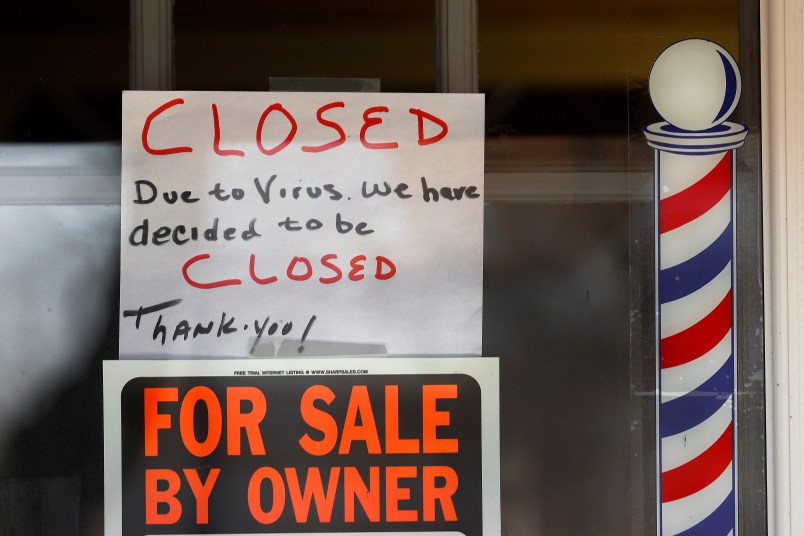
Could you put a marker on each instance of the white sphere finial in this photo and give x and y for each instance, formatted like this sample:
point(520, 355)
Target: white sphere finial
point(695, 85)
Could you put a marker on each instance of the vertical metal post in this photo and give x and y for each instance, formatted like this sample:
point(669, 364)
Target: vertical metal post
point(752, 382)
point(151, 65)
point(456, 46)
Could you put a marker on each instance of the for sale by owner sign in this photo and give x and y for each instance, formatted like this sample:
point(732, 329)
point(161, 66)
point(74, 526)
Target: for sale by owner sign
point(313, 446)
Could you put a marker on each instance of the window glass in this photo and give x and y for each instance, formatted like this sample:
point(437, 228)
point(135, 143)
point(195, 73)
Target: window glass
point(569, 287)
point(555, 300)
point(220, 47)
point(569, 261)
point(64, 66)
point(560, 78)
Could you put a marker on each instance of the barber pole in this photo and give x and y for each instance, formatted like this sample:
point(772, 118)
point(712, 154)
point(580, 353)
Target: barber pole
point(695, 86)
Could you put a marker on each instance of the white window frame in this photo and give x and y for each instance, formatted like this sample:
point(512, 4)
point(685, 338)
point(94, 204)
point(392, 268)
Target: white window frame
point(782, 38)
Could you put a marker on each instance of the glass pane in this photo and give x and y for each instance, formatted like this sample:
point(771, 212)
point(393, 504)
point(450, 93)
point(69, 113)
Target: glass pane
point(569, 275)
point(555, 296)
point(218, 47)
point(569, 258)
point(557, 70)
point(64, 66)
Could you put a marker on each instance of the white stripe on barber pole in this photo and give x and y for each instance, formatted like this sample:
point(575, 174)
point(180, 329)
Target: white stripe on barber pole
point(683, 379)
point(683, 514)
point(684, 243)
point(684, 447)
point(685, 312)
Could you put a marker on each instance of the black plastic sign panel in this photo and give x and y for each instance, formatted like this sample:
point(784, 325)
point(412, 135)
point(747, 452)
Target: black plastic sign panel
point(302, 446)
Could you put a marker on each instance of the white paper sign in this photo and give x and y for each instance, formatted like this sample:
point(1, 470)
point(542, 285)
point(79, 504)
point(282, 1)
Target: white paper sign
point(254, 217)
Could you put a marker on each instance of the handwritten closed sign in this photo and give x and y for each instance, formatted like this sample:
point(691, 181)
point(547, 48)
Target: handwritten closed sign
point(253, 217)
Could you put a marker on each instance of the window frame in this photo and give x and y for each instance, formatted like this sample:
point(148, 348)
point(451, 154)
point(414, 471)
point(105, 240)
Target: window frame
point(782, 53)
point(782, 85)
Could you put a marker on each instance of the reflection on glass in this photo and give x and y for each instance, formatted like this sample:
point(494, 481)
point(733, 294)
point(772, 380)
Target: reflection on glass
point(556, 71)
point(555, 311)
point(220, 46)
point(569, 291)
point(64, 66)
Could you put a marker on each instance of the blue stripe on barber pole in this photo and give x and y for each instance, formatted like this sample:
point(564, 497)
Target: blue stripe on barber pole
point(720, 523)
point(690, 276)
point(732, 87)
point(695, 407)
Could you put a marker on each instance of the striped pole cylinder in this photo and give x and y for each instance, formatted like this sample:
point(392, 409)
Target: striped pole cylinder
point(695, 276)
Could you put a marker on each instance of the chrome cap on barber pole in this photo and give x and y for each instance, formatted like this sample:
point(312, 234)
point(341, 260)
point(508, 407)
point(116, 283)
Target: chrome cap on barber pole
point(695, 86)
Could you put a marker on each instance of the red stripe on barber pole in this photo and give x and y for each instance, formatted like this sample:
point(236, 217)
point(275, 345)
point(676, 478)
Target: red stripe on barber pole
point(696, 474)
point(690, 203)
point(698, 339)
